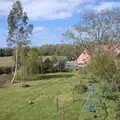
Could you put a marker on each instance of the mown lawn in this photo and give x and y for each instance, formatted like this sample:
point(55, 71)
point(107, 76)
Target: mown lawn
point(14, 100)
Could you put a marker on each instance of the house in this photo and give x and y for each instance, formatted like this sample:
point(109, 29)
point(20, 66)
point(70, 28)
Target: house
point(85, 56)
point(110, 48)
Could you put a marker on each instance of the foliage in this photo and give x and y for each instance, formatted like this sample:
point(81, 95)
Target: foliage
point(41, 63)
point(102, 65)
point(80, 88)
point(19, 32)
point(102, 26)
point(6, 52)
point(6, 70)
point(69, 50)
point(32, 61)
point(47, 66)
point(18, 28)
point(52, 64)
point(54, 59)
point(118, 111)
point(97, 26)
point(28, 64)
point(104, 70)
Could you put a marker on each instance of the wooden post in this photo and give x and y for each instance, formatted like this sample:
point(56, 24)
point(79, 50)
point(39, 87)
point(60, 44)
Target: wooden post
point(62, 115)
point(57, 107)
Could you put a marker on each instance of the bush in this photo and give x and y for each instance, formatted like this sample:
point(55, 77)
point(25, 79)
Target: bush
point(25, 85)
point(5, 70)
point(61, 65)
point(102, 65)
point(32, 62)
point(47, 66)
point(80, 88)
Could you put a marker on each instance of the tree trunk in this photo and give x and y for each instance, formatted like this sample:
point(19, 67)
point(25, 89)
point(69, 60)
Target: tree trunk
point(16, 65)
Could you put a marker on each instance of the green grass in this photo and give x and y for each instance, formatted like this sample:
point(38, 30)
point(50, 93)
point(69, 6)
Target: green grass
point(43, 92)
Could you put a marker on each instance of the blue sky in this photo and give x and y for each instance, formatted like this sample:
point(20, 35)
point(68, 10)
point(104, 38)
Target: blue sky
point(51, 17)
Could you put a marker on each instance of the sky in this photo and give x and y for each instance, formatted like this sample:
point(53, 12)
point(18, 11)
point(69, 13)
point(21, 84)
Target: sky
point(51, 18)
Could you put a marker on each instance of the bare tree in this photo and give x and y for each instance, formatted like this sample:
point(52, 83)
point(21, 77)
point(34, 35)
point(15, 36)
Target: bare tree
point(102, 26)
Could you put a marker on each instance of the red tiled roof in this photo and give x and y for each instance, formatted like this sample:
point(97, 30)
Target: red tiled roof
point(86, 54)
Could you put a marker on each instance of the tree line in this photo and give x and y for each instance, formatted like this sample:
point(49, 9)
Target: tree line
point(71, 51)
point(6, 52)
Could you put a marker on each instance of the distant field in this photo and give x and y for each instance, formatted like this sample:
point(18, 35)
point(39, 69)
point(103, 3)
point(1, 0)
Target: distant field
point(6, 61)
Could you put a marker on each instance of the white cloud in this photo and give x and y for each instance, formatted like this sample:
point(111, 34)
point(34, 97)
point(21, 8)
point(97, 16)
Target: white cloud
point(45, 9)
point(55, 9)
point(40, 33)
point(38, 29)
point(107, 5)
point(98, 7)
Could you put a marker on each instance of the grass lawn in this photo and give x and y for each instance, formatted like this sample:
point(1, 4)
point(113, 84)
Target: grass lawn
point(14, 100)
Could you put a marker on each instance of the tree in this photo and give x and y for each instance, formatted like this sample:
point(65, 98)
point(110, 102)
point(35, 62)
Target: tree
point(103, 26)
point(54, 59)
point(41, 62)
point(61, 65)
point(19, 31)
point(118, 111)
point(32, 61)
point(103, 65)
point(104, 70)
point(47, 66)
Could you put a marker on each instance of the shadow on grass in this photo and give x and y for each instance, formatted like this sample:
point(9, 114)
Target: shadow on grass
point(49, 76)
point(5, 80)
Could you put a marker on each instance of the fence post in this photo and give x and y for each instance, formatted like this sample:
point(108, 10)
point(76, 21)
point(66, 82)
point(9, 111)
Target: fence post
point(57, 107)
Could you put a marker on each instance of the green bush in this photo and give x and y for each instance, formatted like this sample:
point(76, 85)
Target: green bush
point(47, 66)
point(102, 65)
point(5, 70)
point(80, 88)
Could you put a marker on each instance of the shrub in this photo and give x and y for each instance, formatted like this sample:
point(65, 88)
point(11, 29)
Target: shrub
point(32, 62)
point(61, 65)
point(5, 70)
point(25, 85)
point(47, 66)
point(80, 88)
